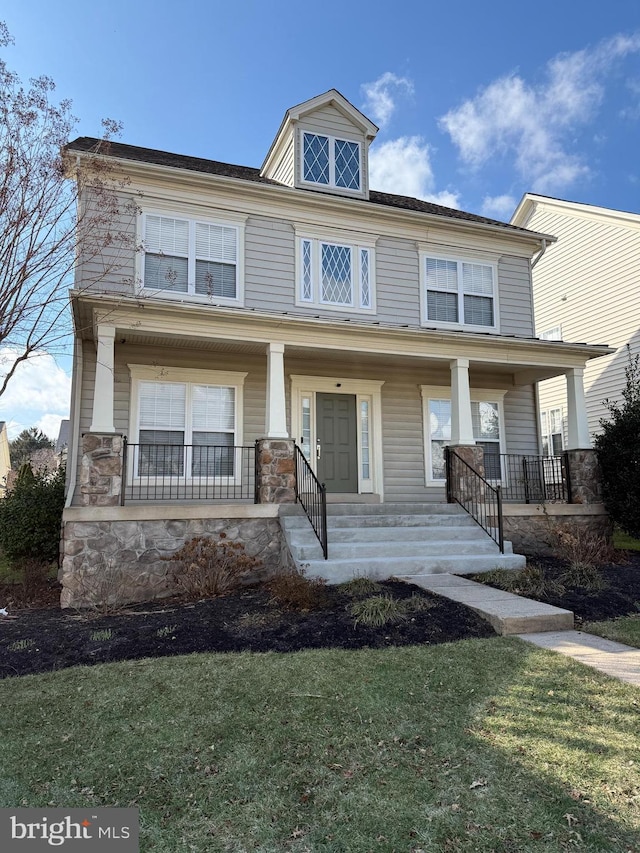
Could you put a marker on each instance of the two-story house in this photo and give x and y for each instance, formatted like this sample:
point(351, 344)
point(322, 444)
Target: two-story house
point(586, 287)
point(292, 304)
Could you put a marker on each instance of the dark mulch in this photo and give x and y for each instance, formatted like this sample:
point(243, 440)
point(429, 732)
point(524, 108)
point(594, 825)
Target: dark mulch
point(45, 638)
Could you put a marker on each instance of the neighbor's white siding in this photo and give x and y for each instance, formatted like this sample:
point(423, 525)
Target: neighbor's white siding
point(589, 283)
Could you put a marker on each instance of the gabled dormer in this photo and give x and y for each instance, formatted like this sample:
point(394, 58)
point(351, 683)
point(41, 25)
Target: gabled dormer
point(323, 145)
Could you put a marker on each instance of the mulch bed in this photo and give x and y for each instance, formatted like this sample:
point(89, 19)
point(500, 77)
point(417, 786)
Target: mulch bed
point(46, 638)
point(41, 637)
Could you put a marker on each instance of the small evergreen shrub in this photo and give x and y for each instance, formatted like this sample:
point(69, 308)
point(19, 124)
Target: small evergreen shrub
point(618, 448)
point(583, 576)
point(31, 516)
point(360, 586)
point(298, 592)
point(206, 566)
point(532, 581)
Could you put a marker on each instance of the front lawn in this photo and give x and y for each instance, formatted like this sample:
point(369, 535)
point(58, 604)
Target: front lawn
point(625, 629)
point(482, 745)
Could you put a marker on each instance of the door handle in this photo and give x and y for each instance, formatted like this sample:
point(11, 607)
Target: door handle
point(318, 450)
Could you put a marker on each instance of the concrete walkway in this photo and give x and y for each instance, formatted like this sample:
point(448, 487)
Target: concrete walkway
point(614, 659)
point(507, 613)
point(541, 624)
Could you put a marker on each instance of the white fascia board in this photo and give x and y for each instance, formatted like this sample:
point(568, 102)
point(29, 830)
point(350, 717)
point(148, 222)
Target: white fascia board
point(575, 208)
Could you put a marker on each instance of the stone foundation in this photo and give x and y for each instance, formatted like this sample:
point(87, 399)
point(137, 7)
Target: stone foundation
point(101, 470)
point(120, 556)
point(276, 470)
point(533, 528)
point(584, 476)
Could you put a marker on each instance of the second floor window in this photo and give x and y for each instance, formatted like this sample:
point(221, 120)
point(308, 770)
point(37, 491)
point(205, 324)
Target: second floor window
point(330, 162)
point(459, 293)
point(336, 275)
point(191, 257)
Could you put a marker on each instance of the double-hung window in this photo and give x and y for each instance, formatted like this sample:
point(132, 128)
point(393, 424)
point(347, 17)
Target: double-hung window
point(551, 432)
point(185, 424)
point(192, 257)
point(335, 275)
point(458, 293)
point(487, 421)
point(330, 162)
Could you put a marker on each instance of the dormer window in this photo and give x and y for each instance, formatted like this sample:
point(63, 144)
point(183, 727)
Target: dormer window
point(331, 162)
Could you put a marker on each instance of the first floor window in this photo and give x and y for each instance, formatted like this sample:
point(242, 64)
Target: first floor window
point(485, 416)
point(335, 274)
point(459, 292)
point(186, 256)
point(551, 432)
point(186, 429)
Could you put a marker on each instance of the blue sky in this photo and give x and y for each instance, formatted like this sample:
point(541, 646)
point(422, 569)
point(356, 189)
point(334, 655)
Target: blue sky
point(477, 102)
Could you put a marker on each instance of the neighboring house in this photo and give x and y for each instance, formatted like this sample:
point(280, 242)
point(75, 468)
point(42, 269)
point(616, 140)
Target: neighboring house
point(294, 302)
point(586, 287)
point(62, 442)
point(5, 458)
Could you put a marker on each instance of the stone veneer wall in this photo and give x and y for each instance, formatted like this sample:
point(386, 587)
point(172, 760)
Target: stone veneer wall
point(533, 528)
point(125, 559)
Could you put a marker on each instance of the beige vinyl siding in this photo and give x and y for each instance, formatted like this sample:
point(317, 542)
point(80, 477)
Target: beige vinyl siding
point(589, 283)
point(110, 265)
point(398, 282)
point(515, 296)
point(520, 418)
point(329, 120)
point(269, 271)
point(285, 170)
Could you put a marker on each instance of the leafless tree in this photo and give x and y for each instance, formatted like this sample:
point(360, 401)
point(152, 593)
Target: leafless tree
point(43, 217)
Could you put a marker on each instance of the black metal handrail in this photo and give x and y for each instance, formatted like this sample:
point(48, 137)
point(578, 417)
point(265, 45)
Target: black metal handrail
point(312, 494)
point(476, 495)
point(176, 472)
point(528, 478)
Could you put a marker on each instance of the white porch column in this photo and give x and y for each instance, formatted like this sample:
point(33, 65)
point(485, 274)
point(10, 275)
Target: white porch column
point(577, 424)
point(102, 420)
point(461, 424)
point(276, 416)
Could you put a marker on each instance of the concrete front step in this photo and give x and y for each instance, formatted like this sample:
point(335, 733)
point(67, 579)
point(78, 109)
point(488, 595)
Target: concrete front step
point(507, 613)
point(304, 535)
point(381, 568)
point(378, 520)
point(394, 551)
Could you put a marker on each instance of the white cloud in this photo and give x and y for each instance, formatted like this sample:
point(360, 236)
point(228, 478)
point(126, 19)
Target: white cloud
point(535, 123)
point(380, 96)
point(403, 166)
point(499, 206)
point(38, 394)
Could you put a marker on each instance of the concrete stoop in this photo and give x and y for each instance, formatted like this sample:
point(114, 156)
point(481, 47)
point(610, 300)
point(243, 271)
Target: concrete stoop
point(507, 613)
point(386, 540)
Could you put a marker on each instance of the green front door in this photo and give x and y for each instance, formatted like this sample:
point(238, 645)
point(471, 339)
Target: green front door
point(336, 442)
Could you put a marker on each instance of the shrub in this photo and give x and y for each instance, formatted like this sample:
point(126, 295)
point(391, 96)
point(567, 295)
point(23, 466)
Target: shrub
point(360, 586)
point(298, 592)
point(532, 581)
point(378, 610)
point(31, 516)
point(585, 550)
point(584, 576)
point(618, 448)
point(207, 566)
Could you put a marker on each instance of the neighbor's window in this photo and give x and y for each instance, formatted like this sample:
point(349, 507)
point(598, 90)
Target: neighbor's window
point(459, 292)
point(191, 257)
point(330, 162)
point(551, 432)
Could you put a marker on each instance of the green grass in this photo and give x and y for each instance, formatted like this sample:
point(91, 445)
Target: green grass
point(483, 745)
point(624, 541)
point(625, 629)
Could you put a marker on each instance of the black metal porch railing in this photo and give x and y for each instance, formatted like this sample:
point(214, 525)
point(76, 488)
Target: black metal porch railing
point(476, 495)
point(313, 496)
point(188, 472)
point(529, 479)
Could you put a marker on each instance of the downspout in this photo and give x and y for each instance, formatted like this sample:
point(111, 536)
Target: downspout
point(72, 453)
point(543, 249)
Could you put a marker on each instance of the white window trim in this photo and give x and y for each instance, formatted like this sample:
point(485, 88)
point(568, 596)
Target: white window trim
point(443, 392)
point(356, 243)
point(226, 220)
point(148, 373)
point(362, 389)
point(459, 260)
point(331, 186)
